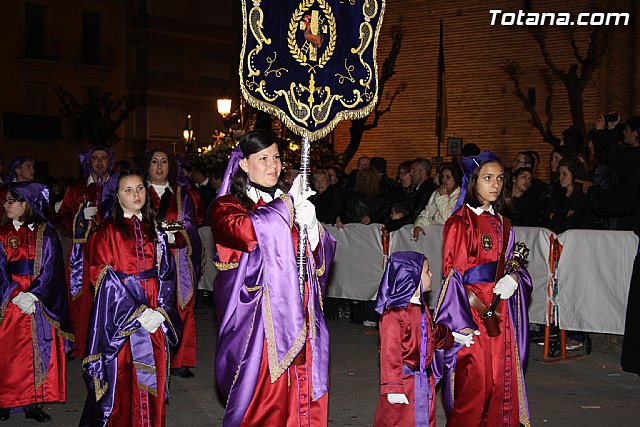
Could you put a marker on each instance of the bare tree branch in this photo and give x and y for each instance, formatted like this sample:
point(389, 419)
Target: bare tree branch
point(358, 127)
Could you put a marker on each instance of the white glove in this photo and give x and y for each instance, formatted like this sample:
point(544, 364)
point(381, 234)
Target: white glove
point(465, 340)
point(150, 320)
point(296, 192)
point(395, 398)
point(89, 212)
point(171, 236)
point(505, 287)
point(26, 302)
point(306, 214)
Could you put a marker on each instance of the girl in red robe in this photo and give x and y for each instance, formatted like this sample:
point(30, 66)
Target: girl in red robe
point(172, 202)
point(133, 319)
point(484, 384)
point(34, 324)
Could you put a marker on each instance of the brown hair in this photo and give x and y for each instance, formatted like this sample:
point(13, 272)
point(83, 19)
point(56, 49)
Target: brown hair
point(367, 182)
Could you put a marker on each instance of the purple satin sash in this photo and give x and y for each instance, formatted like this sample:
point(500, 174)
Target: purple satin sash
point(81, 228)
point(422, 394)
point(482, 273)
point(75, 269)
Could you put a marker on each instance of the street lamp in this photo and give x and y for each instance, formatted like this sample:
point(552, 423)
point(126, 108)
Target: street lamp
point(187, 135)
point(224, 105)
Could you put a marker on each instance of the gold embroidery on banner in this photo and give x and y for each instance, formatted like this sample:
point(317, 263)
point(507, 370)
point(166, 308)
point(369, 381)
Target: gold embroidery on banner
point(314, 28)
point(277, 71)
point(349, 68)
point(299, 112)
point(224, 266)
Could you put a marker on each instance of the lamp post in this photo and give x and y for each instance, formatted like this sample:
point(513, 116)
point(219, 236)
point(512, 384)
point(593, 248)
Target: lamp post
point(187, 135)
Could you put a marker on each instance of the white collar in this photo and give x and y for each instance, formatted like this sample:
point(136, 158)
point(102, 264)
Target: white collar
point(479, 211)
point(255, 194)
point(203, 183)
point(90, 179)
point(160, 188)
point(130, 215)
point(415, 300)
point(17, 224)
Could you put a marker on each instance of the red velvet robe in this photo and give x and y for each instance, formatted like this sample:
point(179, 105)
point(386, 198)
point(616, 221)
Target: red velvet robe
point(17, 374)
point(288, 400)
point(109, 246)
point(76, 198)
point(400, 339)
point(486, 385)
point(185, 353)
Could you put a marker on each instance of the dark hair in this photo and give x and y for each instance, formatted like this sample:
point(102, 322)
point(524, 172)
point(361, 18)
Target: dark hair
point(379, 164)
point(406, 165)
point(502, 203)
point(455, 172)
point(536, 157)
point(469, 150)
point(528, 157)
point(250, 143)
point(148, 218)
point(121, 165)
point(520, 170)
point(173, 168)
point(402, 207)
point(573, 138)
point(577, 169)
point(633, 123)
point(28, 217)
point(201, 168)
point(367, 182)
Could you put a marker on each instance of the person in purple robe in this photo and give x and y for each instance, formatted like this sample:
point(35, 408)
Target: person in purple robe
point(272, 356)
point(34, 320)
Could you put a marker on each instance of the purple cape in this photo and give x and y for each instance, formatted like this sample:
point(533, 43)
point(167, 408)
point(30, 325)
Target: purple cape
point(188, 259)
point(114, 321)
point(453, 310)
point(49, 286)
point(260, 300)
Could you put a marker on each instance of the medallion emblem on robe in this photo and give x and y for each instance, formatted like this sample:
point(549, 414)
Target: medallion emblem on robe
point(486, 242)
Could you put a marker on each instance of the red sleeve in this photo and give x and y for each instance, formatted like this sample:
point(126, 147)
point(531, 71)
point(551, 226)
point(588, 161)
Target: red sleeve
point(68, 208)
point(200, 210)
point(101, 250)
point(391, 332)
point(442, 337)
point(231, 226)
point(454, 244)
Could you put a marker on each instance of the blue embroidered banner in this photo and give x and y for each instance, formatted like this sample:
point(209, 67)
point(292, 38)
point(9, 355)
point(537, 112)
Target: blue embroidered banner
point(311, 63)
